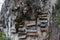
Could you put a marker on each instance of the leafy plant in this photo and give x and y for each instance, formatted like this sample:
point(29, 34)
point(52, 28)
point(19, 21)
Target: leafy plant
point(57, 5)
point(3, 36)
point(57, 19)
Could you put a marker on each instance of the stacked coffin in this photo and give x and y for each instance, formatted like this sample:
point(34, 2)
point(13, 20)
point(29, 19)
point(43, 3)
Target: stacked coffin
point(43, 17)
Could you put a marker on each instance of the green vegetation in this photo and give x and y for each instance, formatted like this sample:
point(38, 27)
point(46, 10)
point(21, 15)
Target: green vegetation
point(58, 2)
point(57, 18)
point(57, 21)
point(58, 5)
point(3, 36)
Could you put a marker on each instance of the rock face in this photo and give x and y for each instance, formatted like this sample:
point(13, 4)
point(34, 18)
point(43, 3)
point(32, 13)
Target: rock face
point(22, 15)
